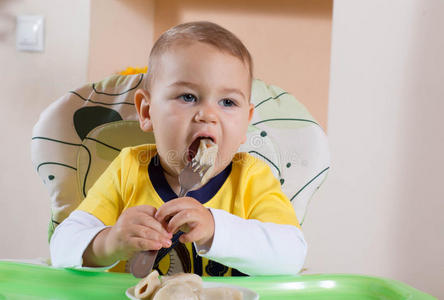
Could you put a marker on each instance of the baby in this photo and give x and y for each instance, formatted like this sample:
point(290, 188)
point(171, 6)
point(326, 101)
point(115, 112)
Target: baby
point(239, 222)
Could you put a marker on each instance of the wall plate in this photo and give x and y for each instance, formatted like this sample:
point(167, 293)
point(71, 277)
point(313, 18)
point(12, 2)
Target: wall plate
point(30, 33)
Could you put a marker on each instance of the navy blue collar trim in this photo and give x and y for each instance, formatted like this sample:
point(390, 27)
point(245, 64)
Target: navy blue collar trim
point(203, 195)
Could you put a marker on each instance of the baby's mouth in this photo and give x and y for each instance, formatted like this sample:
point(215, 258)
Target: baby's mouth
point(192, 150)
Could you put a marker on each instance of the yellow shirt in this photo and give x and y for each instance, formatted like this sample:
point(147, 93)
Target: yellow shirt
point(246, 188)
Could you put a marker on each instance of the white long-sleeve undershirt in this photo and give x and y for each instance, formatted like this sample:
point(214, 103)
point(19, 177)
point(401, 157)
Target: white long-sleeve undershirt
point(250, 246)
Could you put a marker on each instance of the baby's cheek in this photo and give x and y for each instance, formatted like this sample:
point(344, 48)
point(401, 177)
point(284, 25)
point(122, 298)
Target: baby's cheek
point(224, 158)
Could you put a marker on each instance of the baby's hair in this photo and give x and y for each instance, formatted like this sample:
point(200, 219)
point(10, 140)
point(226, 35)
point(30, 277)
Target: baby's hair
point(205, 32)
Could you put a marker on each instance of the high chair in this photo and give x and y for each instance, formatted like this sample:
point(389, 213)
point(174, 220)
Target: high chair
point(78, 135)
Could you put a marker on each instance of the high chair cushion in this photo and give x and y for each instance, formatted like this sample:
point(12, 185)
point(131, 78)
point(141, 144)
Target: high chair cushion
point(78, 135)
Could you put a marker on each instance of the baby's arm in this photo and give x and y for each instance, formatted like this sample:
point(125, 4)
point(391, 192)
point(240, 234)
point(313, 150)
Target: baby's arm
point(254, 247)
point(83, 240)
point(267, 239)
point(72, 237)
point(135, 230)
point(251, 246)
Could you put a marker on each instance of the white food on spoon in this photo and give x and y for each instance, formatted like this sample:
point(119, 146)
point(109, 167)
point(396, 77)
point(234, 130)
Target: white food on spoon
point(206, 155)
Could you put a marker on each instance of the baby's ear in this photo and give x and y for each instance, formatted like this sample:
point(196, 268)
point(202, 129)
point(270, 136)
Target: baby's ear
point(142, 100)
point(250, 112)
point(250, 116)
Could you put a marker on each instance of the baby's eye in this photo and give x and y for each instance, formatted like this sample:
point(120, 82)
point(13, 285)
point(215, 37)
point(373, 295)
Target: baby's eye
point(188, 97)
point(227, 102)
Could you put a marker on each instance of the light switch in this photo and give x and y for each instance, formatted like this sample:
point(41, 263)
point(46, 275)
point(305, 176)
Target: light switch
point(30, 33)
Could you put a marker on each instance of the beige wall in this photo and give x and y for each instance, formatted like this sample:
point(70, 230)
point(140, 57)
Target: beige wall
point(289, 40)
point(380, 211)
point(121, 36)
point(30, 81)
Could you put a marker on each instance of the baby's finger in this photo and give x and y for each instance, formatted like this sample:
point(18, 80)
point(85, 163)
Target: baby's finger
point(192, 236)
point(150, 222)
point(149, 233)
point(182, 218)
point(172, 207)
point(166, 211)
point(147, 209)
point(140, 244)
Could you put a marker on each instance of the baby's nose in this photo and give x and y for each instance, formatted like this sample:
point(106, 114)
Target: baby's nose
point(206, 114)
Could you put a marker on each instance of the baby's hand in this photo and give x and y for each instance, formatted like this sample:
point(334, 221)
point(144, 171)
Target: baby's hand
point(136, 230)
point(191, 217)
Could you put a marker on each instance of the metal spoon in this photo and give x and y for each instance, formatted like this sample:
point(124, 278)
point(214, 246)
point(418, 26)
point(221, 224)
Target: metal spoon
point(189, 178)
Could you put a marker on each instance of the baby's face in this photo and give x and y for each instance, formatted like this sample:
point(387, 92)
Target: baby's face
point(199, 91)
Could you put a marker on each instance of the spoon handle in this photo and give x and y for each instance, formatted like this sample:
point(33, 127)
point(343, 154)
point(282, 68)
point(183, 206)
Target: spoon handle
point(142, 263)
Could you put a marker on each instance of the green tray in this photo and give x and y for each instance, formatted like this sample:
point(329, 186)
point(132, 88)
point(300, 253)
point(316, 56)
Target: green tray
point(26, 281)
